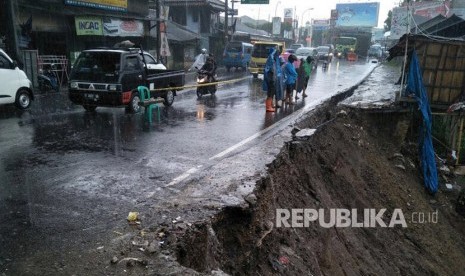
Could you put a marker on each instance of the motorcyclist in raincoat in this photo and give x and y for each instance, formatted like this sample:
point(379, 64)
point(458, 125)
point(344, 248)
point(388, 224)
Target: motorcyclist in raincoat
point(199, 60)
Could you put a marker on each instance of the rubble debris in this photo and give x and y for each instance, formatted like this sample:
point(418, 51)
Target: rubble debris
point(251, 199)
point(304, 134)
point(133, 217)
point(130, 262)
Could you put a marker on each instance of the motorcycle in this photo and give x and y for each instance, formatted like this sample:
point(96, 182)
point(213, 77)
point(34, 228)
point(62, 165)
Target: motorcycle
point(48, 79)
point(203, 78)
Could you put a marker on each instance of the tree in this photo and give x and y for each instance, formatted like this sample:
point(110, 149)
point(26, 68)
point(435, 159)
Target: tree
point(387, 22)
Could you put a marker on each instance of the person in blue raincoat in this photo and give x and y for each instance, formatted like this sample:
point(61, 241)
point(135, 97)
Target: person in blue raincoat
point(291, 77)
point(279, 79)
point(271, 78)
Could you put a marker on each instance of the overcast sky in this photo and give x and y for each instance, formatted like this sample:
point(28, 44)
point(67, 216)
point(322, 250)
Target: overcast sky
point(321, 8)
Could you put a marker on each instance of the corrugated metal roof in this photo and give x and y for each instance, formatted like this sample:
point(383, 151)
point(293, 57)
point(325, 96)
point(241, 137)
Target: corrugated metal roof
point(444, 24)
point(179, 33)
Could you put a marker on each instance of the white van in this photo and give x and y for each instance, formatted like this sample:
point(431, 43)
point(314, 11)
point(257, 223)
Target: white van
point(16, 87)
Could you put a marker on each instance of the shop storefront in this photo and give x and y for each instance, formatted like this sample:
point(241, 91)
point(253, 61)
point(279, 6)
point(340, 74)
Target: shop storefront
point(64, 28)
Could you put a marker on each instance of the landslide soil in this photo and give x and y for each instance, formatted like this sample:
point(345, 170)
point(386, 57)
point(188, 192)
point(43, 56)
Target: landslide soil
point(357, 160)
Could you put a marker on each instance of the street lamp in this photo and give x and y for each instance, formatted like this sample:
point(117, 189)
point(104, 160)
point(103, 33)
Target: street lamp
point(302, 20)
point(276, 8)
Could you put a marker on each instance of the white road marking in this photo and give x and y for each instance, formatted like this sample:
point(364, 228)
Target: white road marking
point(243, 142)
point(293, 116)
point(183, 176)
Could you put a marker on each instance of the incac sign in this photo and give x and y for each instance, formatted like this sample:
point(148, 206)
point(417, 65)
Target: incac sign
point(89, 26)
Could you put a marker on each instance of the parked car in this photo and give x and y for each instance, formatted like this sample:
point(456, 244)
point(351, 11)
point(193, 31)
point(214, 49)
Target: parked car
point(16, 87)
point(375, 51)
point(110, 77)
point(296, 46)
point(324, 53)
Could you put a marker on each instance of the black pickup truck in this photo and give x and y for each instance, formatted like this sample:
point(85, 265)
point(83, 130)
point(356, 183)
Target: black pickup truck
point(110, 77)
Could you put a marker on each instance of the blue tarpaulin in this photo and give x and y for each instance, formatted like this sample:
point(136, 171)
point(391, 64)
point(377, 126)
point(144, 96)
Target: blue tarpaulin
point(427, 156)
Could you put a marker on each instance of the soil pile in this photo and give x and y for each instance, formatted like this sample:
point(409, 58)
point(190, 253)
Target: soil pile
point(355, 160)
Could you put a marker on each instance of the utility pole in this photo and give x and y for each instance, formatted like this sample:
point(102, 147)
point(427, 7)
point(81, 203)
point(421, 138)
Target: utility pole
point(157, 7)
point(12, 40)
point(226, 15)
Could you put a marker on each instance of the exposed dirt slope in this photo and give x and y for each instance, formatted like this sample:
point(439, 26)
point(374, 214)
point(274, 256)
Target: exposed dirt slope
point(350, 162)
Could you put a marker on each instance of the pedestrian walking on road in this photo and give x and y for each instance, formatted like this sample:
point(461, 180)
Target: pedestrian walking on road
point(305, 69)
point(290, 78)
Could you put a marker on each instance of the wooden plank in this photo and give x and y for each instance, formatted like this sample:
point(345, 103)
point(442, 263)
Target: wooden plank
point(436, 73)
point(150, 102)
point(460, 67)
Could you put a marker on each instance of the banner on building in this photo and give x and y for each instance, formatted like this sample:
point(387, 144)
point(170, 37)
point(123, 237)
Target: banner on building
point(164, 46)
point(112, 5)
point(88, 26)
point(428, 10)
point(118, 27)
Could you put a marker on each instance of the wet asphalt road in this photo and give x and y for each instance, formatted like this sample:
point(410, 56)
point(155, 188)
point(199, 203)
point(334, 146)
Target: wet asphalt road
point(67, 176)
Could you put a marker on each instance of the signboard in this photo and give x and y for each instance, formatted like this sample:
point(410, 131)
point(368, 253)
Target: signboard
point(118, 27)
point(320, 28)
point(357, 14)
point(164, 46)
point(288, 13)
point(428, 10)
point(88, 26)
point(112, 5)
point(334, 14)
point(276, 26)
point(233, 12)
point(320, 22)
point(255, 1)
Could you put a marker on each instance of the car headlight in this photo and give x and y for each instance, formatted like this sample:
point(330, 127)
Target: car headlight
point(73, 85)
point(113, 87)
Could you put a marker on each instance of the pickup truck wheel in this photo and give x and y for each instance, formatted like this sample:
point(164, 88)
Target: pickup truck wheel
point(23, 99)
point(133, 105)
point(169, 98)
point(90, 108)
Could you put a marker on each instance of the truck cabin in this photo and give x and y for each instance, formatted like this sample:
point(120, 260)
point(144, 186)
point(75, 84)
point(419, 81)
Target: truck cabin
point(345, 45)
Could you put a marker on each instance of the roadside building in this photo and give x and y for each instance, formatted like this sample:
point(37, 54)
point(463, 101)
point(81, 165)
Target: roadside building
point(56, 31)
point(198, 21)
